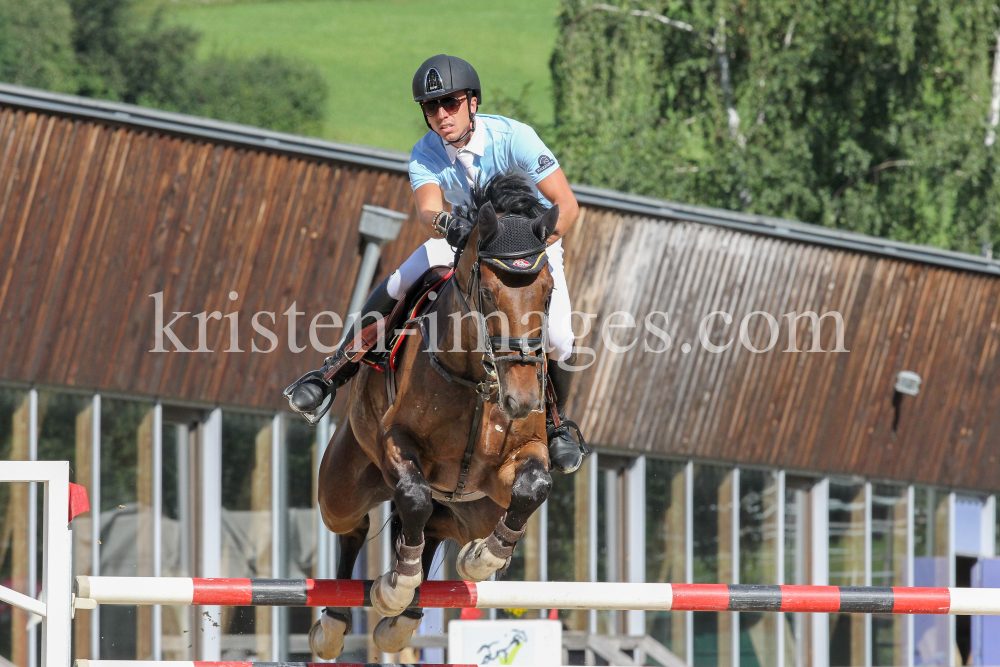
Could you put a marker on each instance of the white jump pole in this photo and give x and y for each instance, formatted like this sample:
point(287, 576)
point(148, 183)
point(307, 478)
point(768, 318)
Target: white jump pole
point(546, 595)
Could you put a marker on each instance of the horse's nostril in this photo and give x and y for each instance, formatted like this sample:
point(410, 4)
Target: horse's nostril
point(512, 405)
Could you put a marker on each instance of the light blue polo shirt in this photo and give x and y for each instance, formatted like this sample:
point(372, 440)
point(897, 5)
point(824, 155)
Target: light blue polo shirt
point(498, 144)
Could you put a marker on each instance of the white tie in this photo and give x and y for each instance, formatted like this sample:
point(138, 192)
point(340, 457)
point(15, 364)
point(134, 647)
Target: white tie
point(466, 158)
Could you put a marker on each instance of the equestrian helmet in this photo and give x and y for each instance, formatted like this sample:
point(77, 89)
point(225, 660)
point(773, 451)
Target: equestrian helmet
point(441, 74)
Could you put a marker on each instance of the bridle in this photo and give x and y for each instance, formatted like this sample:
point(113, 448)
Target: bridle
point(526, 350)
point(523, 350)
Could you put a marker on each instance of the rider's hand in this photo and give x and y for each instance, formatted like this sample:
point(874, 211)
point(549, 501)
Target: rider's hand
point(455, 230)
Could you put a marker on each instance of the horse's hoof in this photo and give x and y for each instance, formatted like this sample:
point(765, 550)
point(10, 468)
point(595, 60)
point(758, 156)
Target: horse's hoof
point(476, 563)
point(392, 635)
point(390, 600)
point(326, 637)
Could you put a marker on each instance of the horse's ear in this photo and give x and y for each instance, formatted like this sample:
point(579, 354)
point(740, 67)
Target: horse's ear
point(488, 224)
point(545, 224)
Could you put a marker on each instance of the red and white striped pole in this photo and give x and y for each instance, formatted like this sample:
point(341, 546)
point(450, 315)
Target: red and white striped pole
point(198, 663)
point(544, 595)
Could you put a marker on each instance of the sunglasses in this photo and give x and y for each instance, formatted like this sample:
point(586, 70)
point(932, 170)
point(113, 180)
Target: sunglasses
point(450, 104)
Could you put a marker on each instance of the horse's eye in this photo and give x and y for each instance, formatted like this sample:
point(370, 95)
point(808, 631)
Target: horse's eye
point(487, 295)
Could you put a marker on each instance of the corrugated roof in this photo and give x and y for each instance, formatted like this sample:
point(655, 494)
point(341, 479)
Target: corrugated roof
point(219, 131)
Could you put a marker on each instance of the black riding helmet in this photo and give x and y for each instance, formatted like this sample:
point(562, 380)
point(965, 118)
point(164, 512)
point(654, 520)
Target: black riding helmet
point(441, 75)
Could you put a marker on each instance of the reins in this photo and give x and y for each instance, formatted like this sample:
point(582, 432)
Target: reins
point(523, 347)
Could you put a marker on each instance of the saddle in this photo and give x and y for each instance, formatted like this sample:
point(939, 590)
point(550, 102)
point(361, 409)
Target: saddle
point(364, 348)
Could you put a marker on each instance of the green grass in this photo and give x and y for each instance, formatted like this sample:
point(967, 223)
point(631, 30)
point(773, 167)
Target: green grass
point(368, 51)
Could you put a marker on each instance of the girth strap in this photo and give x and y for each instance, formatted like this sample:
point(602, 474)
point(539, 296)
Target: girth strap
point(483, 391)
point(470, 447)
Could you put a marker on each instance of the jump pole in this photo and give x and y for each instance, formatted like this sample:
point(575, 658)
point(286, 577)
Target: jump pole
point(197, 663)
point(91, 591)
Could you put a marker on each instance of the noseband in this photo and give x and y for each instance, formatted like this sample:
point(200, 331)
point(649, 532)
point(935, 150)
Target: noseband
point(523, 350)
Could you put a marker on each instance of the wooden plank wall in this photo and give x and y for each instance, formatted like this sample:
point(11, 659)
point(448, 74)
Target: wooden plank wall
point(95, 217)
point(808, 410)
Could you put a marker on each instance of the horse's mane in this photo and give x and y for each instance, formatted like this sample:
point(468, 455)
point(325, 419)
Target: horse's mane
point(509, 192)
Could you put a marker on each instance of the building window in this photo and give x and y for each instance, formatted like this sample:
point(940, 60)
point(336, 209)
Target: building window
point(760, 505)
point(931, 643)
point(796, 561)
point(126, 522)
point(666, 546)
point(176, 525)
point(713, 559)
point(847, 568)
point(299, 445)
point(888, 568)
point(246, 529)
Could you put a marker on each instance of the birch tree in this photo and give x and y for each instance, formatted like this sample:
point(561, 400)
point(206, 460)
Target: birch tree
point(859, 115)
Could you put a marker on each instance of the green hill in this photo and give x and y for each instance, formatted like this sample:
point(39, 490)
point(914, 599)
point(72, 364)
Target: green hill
point(369, 49)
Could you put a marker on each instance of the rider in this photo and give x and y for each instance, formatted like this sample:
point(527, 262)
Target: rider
point(461, 148)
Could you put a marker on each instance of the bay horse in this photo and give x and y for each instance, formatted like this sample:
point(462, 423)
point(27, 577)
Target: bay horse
point(462, 448)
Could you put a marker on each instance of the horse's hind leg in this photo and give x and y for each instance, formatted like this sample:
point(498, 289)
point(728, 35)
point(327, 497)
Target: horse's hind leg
point(327, 635)
point(481, 558)
point(350, 486)
point(392, 634)
point(392, 592)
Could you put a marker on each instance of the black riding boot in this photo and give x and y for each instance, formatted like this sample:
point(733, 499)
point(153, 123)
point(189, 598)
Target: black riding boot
point(311, 395)
point(565, 454)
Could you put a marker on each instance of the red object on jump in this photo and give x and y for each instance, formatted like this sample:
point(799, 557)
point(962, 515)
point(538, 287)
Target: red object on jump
point(238, 592)
point(700, 597)
point(810, 598)
point(921, 601)
point(335, 593)
point(78, 502)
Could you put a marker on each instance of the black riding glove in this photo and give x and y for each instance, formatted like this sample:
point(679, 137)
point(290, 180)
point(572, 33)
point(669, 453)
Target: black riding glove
point(455, 230)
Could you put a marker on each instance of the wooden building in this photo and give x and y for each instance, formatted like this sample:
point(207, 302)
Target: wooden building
point(109, 213)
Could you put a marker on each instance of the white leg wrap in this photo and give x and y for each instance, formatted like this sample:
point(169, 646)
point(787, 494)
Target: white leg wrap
point(326, 637)
point(392, 635)
point(477, 563)
point(393, 591)
point(389, 600)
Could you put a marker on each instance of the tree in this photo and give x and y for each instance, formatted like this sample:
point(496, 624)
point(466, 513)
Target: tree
point(35, 44)
point(99, 48)
point(864, 116)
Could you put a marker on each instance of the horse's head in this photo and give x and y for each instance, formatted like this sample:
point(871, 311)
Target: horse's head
point(504, 275)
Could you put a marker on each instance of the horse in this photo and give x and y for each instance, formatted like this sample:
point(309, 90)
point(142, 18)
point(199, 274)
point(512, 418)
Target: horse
point(462, 449)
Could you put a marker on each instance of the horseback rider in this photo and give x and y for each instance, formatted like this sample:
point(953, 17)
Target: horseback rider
point(461, 148)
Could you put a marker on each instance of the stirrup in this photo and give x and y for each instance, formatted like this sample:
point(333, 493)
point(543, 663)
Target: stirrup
point(568, 424)
point(312, 416)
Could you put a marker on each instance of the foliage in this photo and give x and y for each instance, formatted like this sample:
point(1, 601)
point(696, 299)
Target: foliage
point(102, 48)
point(268, 91)
point(122, 59)
point(865, 116)
point(36, 44)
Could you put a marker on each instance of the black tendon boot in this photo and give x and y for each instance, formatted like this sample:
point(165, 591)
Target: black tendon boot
point(565, 454)
point(311, 395)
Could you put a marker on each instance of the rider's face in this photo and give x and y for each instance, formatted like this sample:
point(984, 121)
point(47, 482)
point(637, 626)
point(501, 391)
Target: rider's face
point(450, 126)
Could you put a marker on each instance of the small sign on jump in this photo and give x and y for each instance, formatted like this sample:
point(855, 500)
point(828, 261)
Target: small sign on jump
point(506, 642)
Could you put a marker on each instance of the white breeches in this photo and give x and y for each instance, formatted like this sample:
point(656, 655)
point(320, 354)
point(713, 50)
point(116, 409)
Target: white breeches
point(437, 252)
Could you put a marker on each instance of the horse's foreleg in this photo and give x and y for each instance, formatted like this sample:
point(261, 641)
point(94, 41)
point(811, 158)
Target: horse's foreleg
point(392, 592)
point(481, 558)
point(392, 635)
